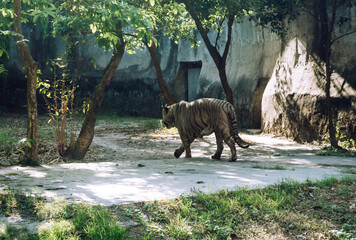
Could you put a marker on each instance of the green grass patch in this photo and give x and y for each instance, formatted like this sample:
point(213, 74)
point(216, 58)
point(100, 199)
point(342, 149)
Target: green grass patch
point(314, 209)
point(330, 151)
point(274, 167)
point(63, 220)
point(288, 210)
point(349, 170)
point(150, 124)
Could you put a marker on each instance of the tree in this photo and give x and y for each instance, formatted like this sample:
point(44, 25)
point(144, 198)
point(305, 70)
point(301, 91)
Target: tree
point(38, 12)
point(327, 14)
point(6, 16)
point(31, 68)
point(170, 19)
point(211, 16)
point(107, 20)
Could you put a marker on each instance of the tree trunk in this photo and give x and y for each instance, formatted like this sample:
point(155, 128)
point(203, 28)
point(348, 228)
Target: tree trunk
point(331, 127)
point(225, 84)
point(86, 134)
point(324, 30)
point(162, 85)
point(220, 61)
point(31, 67)
point(329, 28)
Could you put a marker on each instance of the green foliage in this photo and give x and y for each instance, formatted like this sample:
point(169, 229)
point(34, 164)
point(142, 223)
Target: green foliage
point(36, 11)
point(5, 20)
point(6, 16)
point(107, 20)
point(172, 20)
point(273, 14)
point(213, 14)
point(41, 12)
point(62, 103)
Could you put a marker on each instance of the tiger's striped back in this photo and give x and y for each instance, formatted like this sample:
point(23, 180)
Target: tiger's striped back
point(203, 117)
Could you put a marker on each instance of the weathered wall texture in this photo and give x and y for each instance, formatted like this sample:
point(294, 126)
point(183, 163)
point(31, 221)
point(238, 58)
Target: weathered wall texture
point(134, 89)
point(252, 56)
point(294, 103)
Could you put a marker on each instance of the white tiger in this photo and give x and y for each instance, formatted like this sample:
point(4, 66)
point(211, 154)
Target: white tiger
point(203, 117)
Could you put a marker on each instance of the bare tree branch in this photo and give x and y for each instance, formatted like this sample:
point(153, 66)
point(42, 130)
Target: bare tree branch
point(341, 36)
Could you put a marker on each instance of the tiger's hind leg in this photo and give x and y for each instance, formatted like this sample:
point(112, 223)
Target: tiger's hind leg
point(220, 147)
point(188, 153)
point(225, 132)
point(231, 143)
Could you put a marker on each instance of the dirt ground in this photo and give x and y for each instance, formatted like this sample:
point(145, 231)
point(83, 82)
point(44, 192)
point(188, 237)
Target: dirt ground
point(131, 165)
point(135, 145)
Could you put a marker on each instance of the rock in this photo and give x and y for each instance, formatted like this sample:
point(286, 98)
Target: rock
point(293, 103)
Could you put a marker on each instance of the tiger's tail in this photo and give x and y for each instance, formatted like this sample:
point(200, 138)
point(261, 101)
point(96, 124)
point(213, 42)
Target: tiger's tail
point(235, 131)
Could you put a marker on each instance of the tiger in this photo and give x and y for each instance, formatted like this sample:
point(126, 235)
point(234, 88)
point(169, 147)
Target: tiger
point(200, 118)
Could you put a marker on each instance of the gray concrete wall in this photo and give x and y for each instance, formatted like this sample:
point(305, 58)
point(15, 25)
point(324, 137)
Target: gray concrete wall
point(252, 56)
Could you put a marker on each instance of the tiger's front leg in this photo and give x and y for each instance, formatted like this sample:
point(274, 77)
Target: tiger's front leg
point(179, 151)
point(186, 141)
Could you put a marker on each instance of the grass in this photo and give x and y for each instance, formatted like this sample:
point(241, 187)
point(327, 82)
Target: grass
point(112, 122)
point(288, 210)
point(351, 170)
point(330, 151)
point(63, 220)
point(274, 167)
point(314, 209)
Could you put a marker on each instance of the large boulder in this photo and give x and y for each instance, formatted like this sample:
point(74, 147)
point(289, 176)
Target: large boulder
point(294, 102)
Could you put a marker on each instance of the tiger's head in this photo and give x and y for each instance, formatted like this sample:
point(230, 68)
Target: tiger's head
point(168, 116)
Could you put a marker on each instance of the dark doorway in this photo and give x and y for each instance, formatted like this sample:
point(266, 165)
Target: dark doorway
point(256, 119)
point(187, 81)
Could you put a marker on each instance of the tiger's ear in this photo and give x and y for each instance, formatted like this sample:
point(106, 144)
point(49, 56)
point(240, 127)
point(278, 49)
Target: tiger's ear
point(165, 108)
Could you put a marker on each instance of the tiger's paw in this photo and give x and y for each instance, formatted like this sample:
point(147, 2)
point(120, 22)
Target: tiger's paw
point(216, 157)
point(177, 153)
point(233, 159)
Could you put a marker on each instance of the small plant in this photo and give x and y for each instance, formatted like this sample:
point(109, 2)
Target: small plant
point(60, 229)
point(100, 225)
point(59, 95)
point(348, 144)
